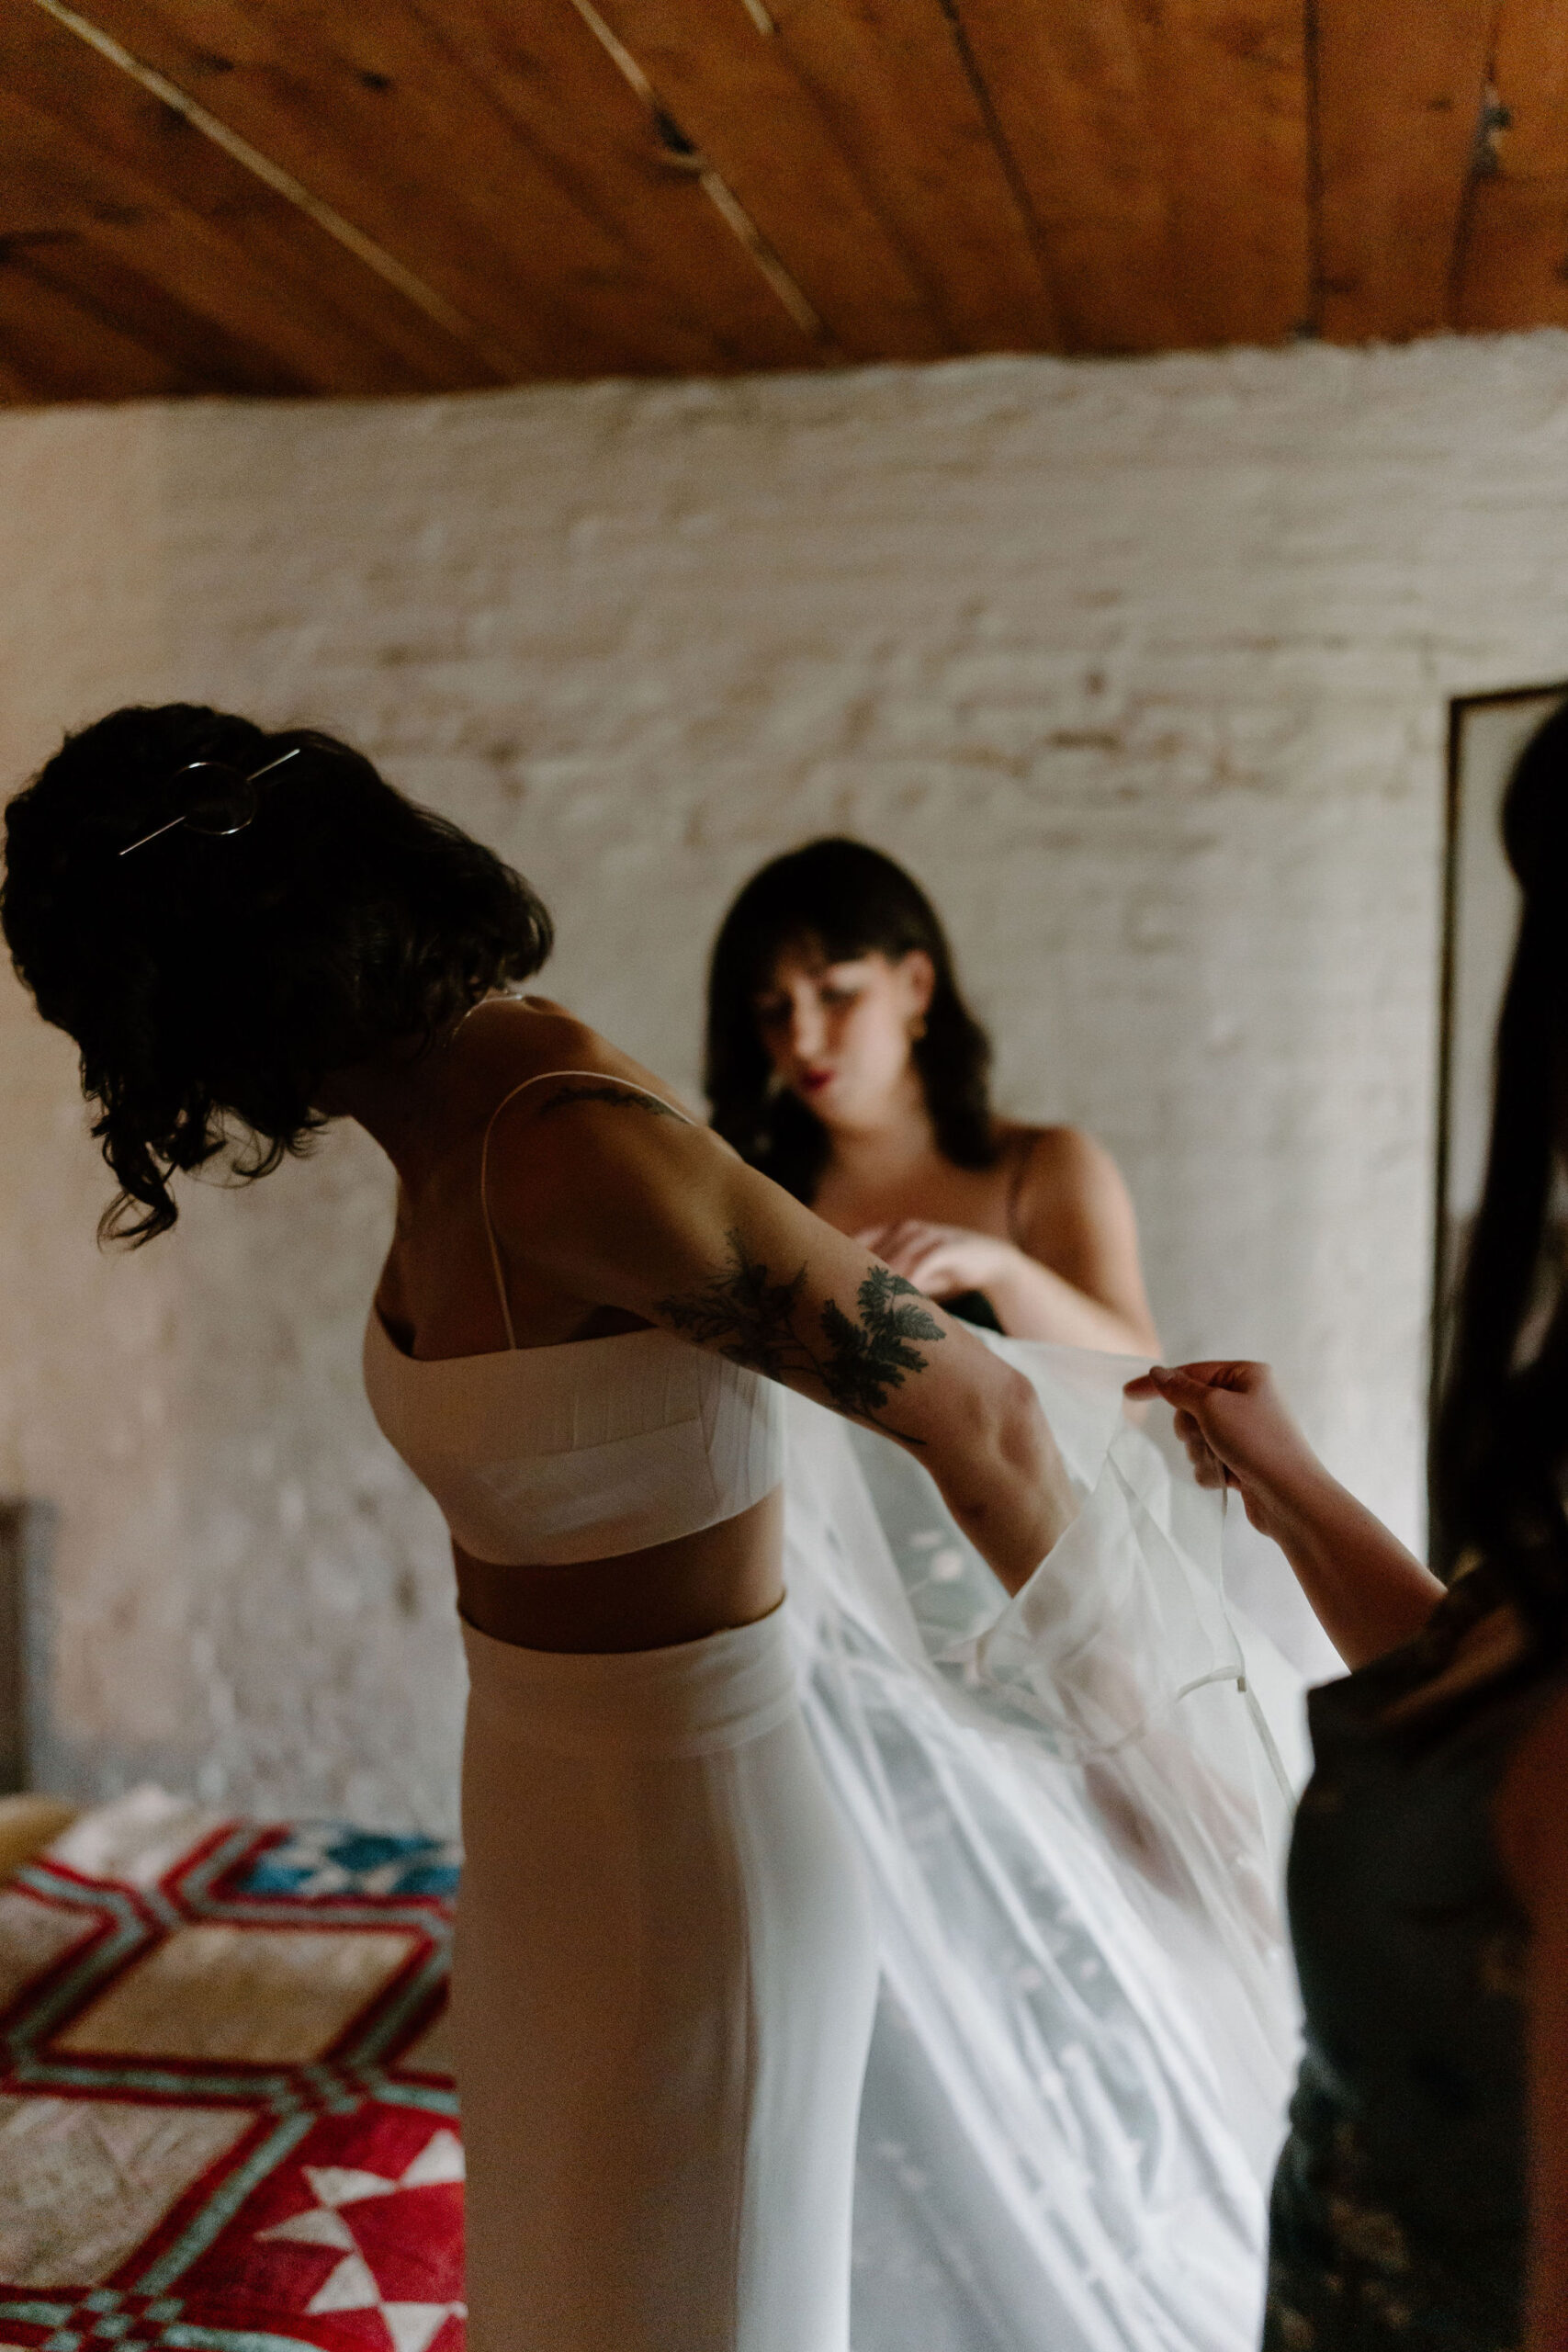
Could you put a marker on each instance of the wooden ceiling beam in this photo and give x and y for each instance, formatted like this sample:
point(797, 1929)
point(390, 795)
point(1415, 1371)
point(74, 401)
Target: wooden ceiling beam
point(1232, 134)
point(605, 147)
point(1529, 76)
point(1400, 95)
point(377, 112)
point(1513, 266)
point(61, 349)
point(892, 79)
point(16, 390)
point(1513, 272)
point(85, 299)
point(1067, 86)
point(295, 196)
point(734, 94)
point(96, 162)
point(1165, 155)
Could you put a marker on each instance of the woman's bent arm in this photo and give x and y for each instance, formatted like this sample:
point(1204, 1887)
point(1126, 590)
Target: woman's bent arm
point(1078, 1231)
point(624, 1206)
point(1071, 1274)
point(1034, 1302)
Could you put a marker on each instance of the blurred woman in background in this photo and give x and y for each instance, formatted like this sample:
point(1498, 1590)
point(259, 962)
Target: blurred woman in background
point(843, 1062)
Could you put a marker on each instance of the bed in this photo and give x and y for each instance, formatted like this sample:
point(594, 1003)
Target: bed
point(227, 2116)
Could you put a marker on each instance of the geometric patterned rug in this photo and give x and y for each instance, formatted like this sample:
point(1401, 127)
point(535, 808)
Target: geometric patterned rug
point(227, 2116)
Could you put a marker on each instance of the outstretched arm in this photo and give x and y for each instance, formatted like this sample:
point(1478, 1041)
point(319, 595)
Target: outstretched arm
point(626, 1207)
point(1369, 1593)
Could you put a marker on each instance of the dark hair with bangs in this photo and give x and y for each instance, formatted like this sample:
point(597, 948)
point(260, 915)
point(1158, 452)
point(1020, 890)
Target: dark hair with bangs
point(848, 899)
point(212, 984)
point(1500, 1455)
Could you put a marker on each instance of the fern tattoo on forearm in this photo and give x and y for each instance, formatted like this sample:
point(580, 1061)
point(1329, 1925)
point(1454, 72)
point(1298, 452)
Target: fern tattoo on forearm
point(756, 1322)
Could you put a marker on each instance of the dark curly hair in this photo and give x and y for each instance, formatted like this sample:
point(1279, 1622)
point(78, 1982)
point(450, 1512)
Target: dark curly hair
point(213, 983)
point(1499, 1455)
point(848, 899)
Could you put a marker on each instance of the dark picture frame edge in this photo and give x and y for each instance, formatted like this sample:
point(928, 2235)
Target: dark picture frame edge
point(1443, 1267)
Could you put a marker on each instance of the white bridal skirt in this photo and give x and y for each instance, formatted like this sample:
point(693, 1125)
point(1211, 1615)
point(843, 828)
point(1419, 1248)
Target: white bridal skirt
point(665, 1979)
point(1056, 1823)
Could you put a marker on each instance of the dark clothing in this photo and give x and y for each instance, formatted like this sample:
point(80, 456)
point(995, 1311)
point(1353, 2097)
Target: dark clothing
point(1398, 2221)
point(974, 1307)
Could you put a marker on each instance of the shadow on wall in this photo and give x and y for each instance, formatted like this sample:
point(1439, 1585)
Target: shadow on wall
point(26, 1552)
point(35, 1752)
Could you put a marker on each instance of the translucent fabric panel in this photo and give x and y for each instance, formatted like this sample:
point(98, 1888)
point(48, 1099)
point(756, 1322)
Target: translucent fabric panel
point(1072, 1804)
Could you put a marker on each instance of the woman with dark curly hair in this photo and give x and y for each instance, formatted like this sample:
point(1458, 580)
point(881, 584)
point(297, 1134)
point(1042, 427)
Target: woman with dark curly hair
point(843, 1061)
point(1421, 2203)
point(665, 1967)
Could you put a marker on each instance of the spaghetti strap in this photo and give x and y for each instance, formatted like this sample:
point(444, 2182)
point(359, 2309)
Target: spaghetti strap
point(1020, 1158)
point(539, 1079)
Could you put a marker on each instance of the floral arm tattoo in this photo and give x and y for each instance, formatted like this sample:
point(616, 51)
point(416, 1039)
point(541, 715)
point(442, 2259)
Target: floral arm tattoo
point(757, 1322)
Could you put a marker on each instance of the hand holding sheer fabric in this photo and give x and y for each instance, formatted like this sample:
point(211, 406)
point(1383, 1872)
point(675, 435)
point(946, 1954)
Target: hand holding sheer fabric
point(1238, 1432)
point(1369, 1593)
point(1072, 1807)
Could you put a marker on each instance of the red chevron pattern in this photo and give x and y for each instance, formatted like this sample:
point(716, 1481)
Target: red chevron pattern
point(227, 2117)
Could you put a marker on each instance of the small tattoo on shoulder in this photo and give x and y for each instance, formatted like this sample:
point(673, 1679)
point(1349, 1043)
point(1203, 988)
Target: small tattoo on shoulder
point(619, 1097)
point(857, 1359)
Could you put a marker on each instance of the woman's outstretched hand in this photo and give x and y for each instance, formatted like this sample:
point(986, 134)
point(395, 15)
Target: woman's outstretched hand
point(1369, 1594)
point(1239, 1433)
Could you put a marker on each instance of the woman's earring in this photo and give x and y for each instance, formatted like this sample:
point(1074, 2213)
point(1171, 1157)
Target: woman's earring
point(917, 1025)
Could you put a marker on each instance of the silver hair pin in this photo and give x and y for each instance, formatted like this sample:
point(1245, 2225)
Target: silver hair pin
point(210, 815)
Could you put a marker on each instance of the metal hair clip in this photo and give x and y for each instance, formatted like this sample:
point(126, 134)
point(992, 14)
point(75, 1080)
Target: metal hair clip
point(223, 802)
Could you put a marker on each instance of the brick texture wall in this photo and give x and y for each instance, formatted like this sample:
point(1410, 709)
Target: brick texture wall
point(1140, 666)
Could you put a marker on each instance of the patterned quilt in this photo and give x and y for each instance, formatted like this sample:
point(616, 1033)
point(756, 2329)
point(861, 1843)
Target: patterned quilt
point(227, 2119)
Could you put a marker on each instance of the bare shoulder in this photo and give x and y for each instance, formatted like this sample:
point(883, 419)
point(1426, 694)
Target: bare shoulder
point(1073, 1213)
point(578, 1129)
point(538, 1036)
point(1065, 1168)
point(554, 1061)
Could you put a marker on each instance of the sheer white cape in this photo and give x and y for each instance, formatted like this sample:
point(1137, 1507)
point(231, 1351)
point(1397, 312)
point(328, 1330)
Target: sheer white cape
point(1074, 1806)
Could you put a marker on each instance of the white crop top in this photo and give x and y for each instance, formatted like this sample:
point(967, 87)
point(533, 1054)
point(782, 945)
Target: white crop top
point(541, 1456)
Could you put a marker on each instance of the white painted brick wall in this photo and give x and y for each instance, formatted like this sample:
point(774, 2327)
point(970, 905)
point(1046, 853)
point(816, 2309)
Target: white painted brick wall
point(1141, 665)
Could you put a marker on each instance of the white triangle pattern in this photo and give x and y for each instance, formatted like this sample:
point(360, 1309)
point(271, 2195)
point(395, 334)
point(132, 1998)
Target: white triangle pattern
point(351, 2288)
point(318, 2227)
point(440, 2159)
point(411, 2325)
point(335, 2186)
point(351, 2284)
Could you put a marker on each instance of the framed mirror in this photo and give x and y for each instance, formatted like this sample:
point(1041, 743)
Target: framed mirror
point(1486, 734)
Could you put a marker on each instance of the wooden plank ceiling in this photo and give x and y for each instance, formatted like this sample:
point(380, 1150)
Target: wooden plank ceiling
point(305, 196)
